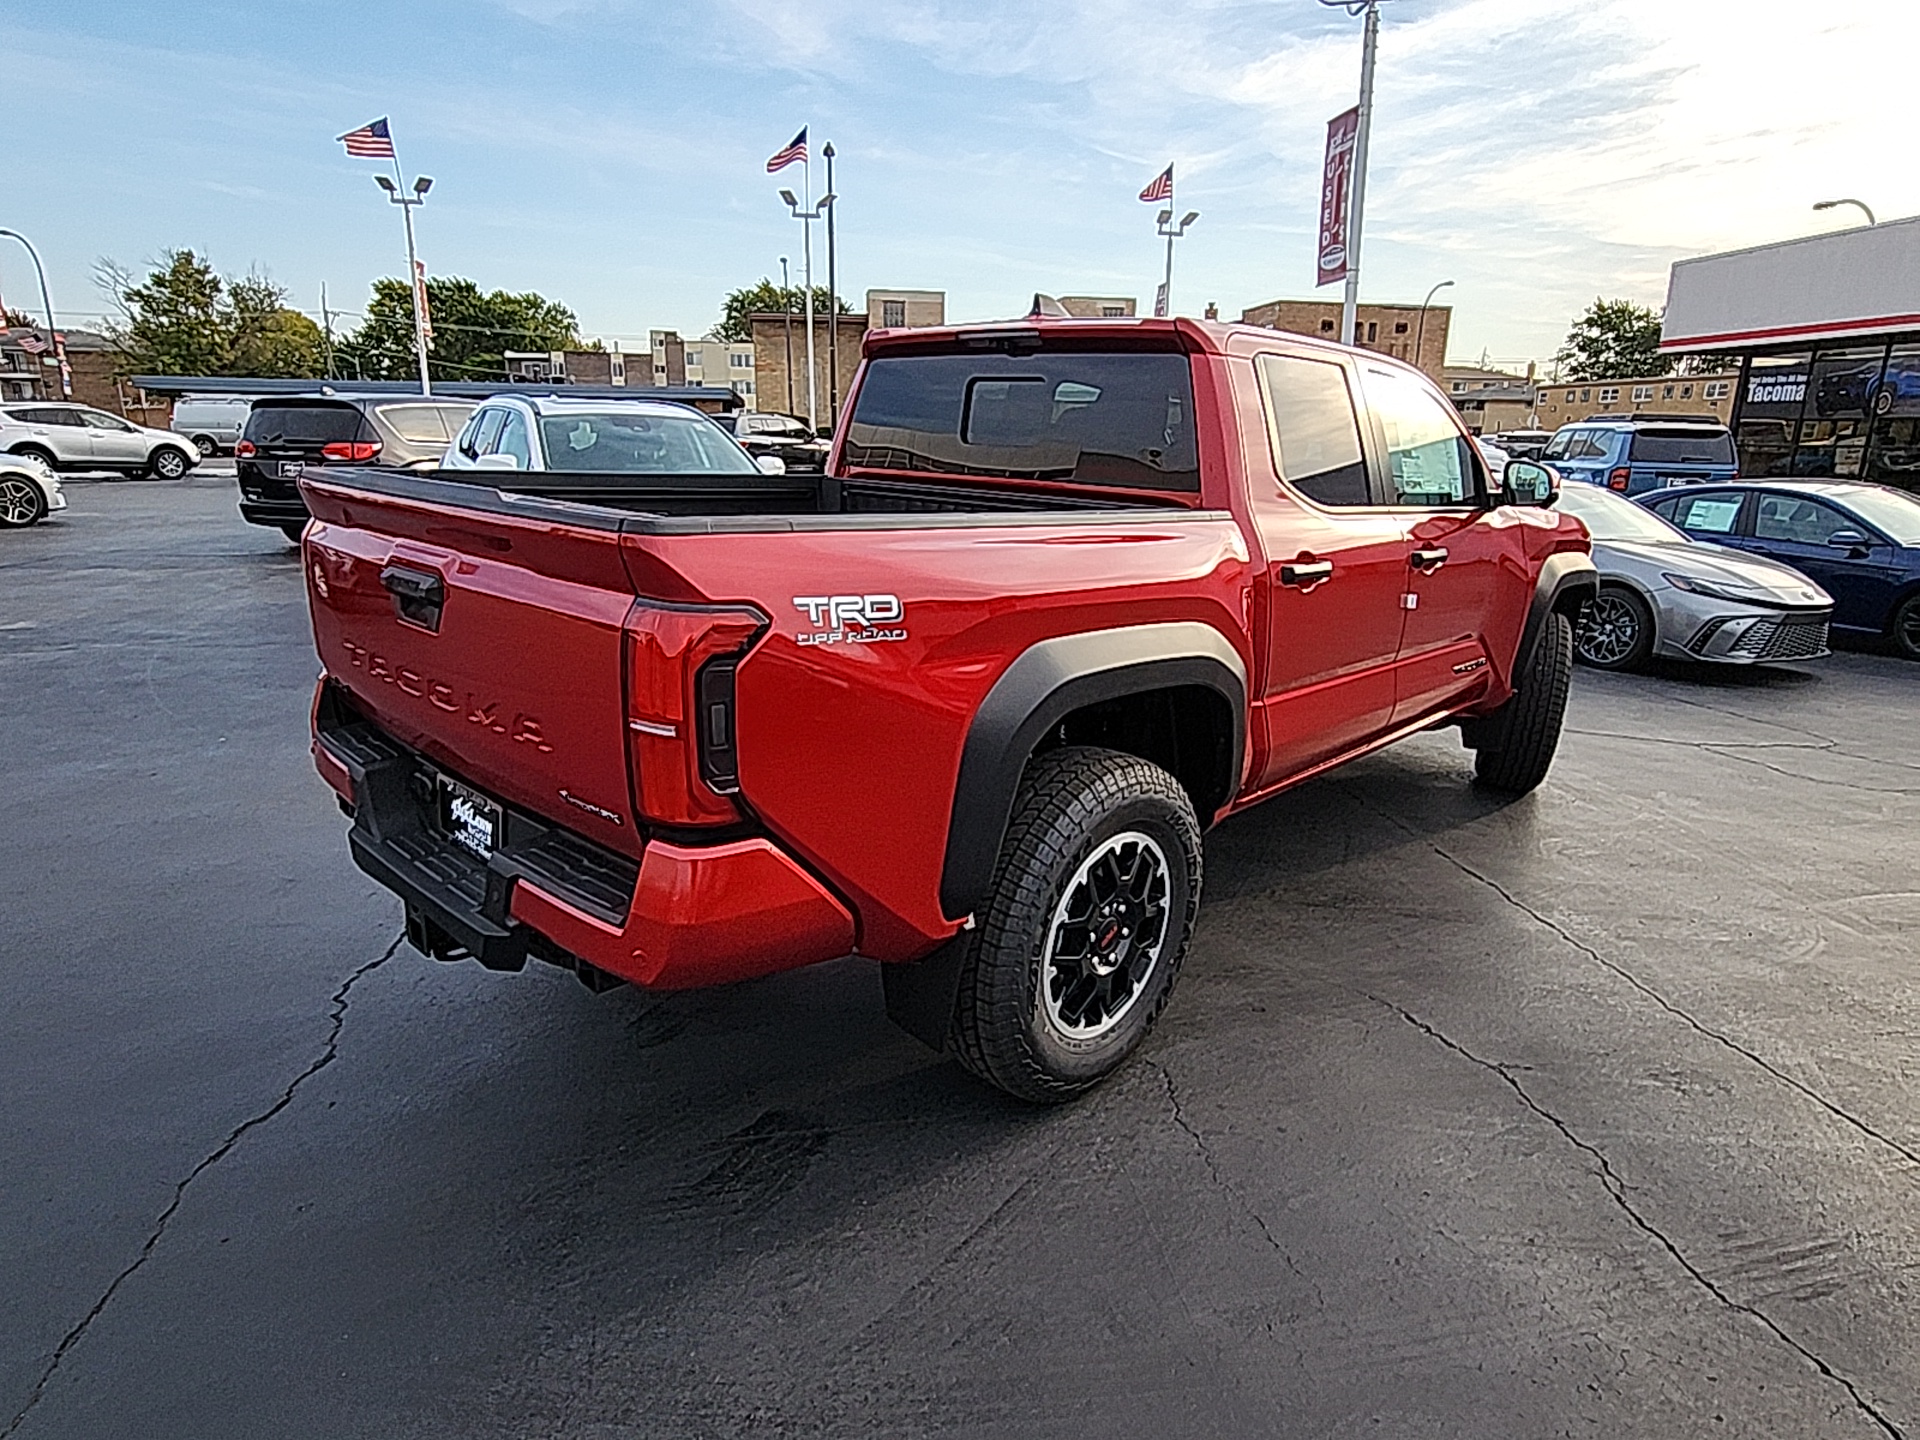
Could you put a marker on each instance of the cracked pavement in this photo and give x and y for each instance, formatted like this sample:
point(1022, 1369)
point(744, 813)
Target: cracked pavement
point(1594, 1112)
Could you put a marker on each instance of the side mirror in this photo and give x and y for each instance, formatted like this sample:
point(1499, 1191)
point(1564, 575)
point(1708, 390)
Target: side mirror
point(771, 465)
point(497, 461)
point(1848, 540)
point(1528, 482)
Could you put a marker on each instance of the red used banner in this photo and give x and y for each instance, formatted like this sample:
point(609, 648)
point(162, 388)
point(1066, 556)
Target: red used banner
point(1336, 186)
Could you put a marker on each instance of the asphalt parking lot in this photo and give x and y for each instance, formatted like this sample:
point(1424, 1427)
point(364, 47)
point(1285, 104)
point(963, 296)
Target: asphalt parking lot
point(1597, 1112)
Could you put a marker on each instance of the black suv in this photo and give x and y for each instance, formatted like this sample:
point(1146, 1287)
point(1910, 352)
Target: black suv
point(787, 436)
point(286, 433)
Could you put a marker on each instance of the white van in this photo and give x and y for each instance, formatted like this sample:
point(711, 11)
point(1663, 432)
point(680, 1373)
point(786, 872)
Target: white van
point(212, 422)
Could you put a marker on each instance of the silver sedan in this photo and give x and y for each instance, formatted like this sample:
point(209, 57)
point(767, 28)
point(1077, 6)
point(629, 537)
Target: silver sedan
point(1662, 593)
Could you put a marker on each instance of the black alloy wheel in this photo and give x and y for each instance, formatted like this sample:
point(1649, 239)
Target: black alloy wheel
point(1906, 627)
point(21, 502)
point(1616, 631)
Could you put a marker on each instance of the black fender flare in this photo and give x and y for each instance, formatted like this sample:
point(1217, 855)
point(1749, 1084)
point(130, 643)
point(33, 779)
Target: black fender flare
point(1567, 580)
point(1048, 681)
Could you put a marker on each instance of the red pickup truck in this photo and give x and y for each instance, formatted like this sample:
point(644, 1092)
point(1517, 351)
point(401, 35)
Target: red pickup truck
point(1068, 593)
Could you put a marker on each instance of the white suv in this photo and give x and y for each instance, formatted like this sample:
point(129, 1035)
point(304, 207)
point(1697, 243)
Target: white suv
point(64, 436)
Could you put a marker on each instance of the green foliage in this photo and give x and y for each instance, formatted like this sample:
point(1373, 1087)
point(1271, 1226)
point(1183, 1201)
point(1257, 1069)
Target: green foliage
point(767, 297)
point(186, 319)
point(472, 331)
point(12, 318)
point(1613, 340)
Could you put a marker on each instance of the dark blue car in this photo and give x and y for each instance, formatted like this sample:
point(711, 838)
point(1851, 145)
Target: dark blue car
point(1860, 543)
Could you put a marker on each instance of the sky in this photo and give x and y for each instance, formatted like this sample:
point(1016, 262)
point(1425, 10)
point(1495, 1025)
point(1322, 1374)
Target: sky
point(611, 153)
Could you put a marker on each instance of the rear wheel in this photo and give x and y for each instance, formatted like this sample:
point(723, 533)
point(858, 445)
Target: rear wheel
point(206, 446)
point(21, 502)
point(1514, 745)
point(167, 463)
point(1092, 906)
point(36, 452)
point(1906, 627)
point(1616, 631)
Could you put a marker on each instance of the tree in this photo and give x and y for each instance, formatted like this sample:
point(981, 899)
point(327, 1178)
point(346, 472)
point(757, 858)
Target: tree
point(737, 309)
point(12, 318)
point(472, 331)
point(1614, 340)
point(186, 319)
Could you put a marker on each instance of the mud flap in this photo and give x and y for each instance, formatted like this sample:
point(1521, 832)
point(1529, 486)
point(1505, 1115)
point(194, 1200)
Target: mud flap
point(921, 993)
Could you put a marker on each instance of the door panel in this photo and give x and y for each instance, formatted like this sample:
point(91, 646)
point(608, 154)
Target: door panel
point(1793, 529)
point(1479, 579)
point(113, 444)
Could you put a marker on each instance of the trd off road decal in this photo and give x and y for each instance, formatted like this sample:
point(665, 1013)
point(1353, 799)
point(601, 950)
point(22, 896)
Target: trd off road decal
point(851, 619)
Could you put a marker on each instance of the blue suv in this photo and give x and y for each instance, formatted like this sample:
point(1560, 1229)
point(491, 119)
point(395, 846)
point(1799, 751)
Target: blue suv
point(1631, 454)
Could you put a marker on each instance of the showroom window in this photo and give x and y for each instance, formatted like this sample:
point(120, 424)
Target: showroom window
point(1770, 413)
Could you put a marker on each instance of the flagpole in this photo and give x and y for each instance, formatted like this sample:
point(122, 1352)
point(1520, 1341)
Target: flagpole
point(1166, 287)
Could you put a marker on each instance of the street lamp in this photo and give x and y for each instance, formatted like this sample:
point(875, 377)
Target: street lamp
point(1164, 306)
point(786, 304)
point(1830, 204)
point(1350, 304)
point(1420, 331)
point(414, 276)
point(806, 219)
point(46, 303)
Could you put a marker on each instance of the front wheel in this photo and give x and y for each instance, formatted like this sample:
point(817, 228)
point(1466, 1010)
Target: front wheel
point(1906, 627)
point(21, 502)
point(167, 463)
point(1616, 631)
point(1077, 948)
point(1514, 746)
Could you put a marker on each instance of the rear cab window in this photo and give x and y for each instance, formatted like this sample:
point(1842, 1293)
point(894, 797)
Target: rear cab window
point(1122, 419)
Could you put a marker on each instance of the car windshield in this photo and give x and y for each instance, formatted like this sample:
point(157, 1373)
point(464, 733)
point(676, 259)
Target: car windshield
point(642, 444)
point(1608, 516)
point(1682, 447)
point(1896, 514)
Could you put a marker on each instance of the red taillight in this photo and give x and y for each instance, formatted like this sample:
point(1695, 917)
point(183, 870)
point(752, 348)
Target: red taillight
point(245, 450)
point(679, 686)
point(350, 449)
point(1617, 479)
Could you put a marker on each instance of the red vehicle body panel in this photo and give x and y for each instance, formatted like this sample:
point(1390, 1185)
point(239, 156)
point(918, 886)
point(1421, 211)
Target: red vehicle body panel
point(558, 677)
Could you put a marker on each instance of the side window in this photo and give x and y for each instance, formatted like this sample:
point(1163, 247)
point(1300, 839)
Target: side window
point(1313, 430)
point(1557, 447)
point(1796, 521)
point(486, 429)
point(513, 440)
point(1429, 460)
point(1704, 514)
point(100, 421)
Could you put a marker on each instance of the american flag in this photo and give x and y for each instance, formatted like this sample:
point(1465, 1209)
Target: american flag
point(796, 151)
point(373, 141)
point(31, 343)
point(1161, 188)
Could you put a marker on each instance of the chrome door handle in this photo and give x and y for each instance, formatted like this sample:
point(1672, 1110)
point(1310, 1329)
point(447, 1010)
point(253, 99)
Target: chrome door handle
point(1428, 561)
point(1306, 572)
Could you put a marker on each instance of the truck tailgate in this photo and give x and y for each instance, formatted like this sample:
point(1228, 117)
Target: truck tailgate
point(494, 649)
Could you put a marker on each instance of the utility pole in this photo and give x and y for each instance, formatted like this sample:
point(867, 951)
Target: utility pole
point(1350, 305)
point(833, 308)
point(786, 304)
point(415, 276)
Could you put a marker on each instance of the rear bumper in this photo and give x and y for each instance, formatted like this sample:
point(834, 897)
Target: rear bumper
point(682, 916)
point(273, 512)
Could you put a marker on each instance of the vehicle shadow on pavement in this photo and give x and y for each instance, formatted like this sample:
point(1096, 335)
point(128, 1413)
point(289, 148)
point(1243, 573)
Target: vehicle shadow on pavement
point(1731, 677)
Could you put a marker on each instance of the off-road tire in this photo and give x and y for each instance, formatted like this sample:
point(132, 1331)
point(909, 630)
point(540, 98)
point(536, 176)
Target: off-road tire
point(1590, 643)
point(166, 457)
point(1520, 737)
point(1905, 628)
point(1070, 804)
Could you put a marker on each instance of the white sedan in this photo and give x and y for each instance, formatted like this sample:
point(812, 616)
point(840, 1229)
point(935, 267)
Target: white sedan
point(625, 437)
point(29, 491)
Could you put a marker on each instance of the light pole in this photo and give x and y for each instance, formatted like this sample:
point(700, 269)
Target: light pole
point(1164, 306)
point(786, 304)
point(414, 276)
point(1350, 305)
point(806, 219)
point(1420, 330)
point(46, 303)
point(833, 307)
point(1861, 204)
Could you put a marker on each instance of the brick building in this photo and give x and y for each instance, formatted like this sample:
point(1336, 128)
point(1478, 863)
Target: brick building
point(1390, 329)
point(782, 385)
point(1661, 394)
point(1099, 307)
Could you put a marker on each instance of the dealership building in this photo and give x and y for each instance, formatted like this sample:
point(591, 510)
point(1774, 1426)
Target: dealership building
point(1826, 335)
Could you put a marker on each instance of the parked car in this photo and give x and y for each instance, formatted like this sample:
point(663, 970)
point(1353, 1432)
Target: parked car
point(1523, 444)
point(1859, 542)
point(1494, 456)
point(286, 433)
point(77, 437)
point(786, 436)
point(212, 422)
point(638, 437)
point(1069, 592)
point(1630, 454)
point(1663, 593)
point(29, 491)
